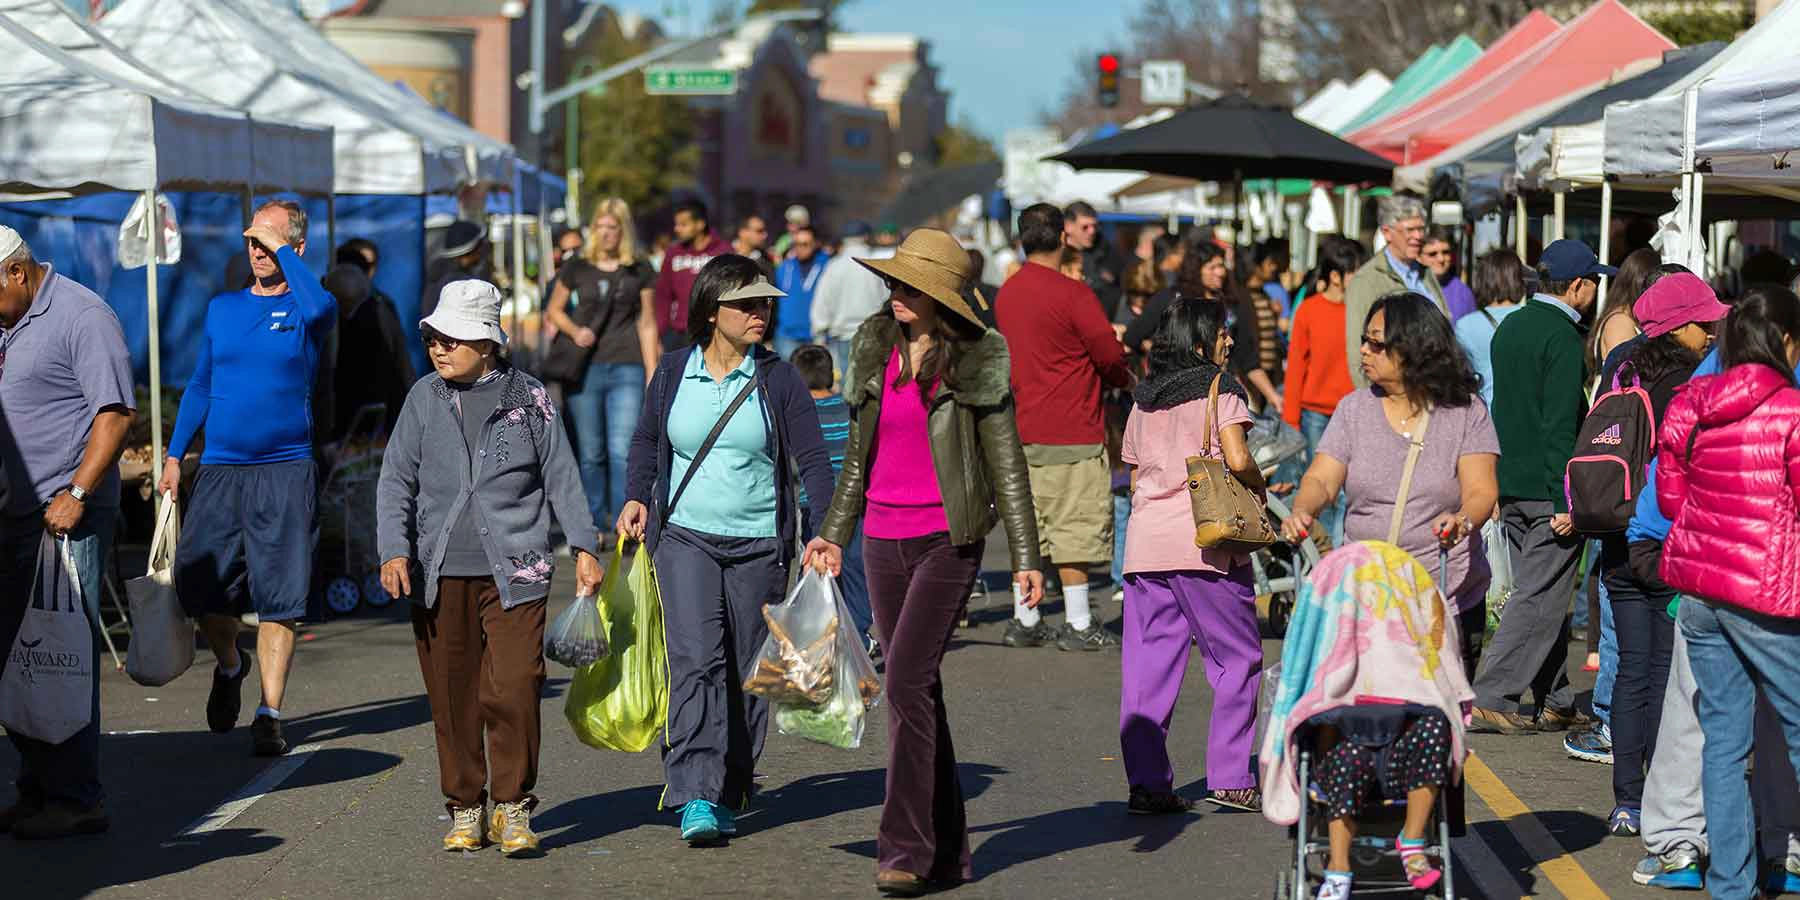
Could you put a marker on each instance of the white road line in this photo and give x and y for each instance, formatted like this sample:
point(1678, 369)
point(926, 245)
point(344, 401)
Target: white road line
point(270, 779)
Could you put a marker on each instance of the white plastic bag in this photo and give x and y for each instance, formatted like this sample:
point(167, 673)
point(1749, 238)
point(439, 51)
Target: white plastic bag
point(814, 668)
point(162, 636)
point(577, 638)
point(47, 691)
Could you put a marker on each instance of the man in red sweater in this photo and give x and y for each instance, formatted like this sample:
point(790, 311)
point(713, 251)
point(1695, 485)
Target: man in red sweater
point(695, 246)
point(1063, 349)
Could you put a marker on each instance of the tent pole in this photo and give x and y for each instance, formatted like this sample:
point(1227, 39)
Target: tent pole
point(518, 260)
point(1521, 224)
point(1696, 258)
point(1605, 238)
point(331, 226)
point(154, 312)
point(249, 200)
point(1560, 199)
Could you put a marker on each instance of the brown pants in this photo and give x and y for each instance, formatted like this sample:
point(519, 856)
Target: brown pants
point(483, 666)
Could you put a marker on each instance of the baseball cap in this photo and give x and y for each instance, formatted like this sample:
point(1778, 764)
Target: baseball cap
point(1675, 300)
point(1569, 259)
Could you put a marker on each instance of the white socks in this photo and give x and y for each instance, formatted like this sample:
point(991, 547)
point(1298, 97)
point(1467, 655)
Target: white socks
point(1075, 606)
point(1026, 615)
point(269, 711)
point(234, 669)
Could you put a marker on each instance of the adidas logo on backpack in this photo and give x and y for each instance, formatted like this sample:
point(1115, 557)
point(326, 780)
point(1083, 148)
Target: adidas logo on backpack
point(1619, 435)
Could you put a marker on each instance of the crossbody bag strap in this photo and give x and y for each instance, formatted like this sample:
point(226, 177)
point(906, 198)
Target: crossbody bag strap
point(1212, 417)
point(706, 446)
point(1490, 317)
point(1415, 446)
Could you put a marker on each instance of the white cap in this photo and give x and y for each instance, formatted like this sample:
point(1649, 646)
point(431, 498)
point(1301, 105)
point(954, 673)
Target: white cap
point(467, 310)
point(9, 241)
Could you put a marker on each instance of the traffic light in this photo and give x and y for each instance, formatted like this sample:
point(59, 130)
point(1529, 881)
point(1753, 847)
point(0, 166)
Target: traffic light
point(1107, 65)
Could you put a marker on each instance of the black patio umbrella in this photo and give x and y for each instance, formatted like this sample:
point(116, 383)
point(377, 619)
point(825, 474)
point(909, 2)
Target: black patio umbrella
point(1230, 138)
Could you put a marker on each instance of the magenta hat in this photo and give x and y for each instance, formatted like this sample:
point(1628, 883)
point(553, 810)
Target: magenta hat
point(1675, 300)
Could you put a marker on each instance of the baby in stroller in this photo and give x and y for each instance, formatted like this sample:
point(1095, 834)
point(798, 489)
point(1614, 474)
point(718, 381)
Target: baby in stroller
point(1371, 707)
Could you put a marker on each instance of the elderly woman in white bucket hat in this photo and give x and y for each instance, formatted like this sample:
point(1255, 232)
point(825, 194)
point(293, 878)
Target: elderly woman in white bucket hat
point(933, 463)
point(476, 466)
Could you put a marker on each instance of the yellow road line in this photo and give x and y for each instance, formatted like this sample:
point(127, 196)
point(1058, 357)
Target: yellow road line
point(1561, 868)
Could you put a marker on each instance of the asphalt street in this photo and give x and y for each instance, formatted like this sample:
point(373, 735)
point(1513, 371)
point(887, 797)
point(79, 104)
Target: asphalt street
point(355, 811)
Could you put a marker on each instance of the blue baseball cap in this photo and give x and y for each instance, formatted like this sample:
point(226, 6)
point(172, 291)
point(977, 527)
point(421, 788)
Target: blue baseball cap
point(1569, 259)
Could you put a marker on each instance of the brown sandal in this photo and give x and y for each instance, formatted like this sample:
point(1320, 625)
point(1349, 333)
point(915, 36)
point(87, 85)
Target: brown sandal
point(895, 883)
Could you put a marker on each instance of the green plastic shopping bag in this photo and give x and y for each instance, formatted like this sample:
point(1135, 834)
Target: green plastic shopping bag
point(621, 702)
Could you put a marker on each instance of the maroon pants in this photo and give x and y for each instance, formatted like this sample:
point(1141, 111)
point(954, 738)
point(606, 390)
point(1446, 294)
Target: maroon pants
point(484, 669)
point(916, 588)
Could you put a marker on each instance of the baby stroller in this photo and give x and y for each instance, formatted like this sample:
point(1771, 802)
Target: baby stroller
point(1364, 592)
point(350, 563)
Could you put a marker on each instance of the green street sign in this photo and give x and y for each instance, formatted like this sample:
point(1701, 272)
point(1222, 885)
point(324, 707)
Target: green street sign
point(671, 80)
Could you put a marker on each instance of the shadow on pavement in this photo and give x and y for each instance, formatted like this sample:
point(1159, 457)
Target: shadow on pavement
point(1039, 837)
point(377, 717)
point(823, 796)
point(156, 786)
point(597, 816)
point(1519, 863)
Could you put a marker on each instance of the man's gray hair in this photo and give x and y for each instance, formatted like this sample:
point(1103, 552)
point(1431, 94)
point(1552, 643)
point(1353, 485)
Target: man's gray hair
point(1394, 209)
point(296, 233)
point(20, 254)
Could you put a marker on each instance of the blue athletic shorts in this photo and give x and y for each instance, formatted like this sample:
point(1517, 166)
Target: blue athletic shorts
point(248, 527)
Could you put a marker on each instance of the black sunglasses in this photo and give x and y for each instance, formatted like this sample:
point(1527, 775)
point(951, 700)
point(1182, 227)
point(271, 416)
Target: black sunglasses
point(748, 305)
point(896, 285)
point(1375, 345)
point(431, 336)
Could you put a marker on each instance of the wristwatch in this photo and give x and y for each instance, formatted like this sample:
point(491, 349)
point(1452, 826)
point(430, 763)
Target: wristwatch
point(78, 492)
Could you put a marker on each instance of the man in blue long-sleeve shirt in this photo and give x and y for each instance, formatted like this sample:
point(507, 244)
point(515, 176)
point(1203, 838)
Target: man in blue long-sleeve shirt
point(250, 517)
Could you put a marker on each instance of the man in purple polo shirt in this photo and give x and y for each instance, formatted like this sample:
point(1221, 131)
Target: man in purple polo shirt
point(65, 404)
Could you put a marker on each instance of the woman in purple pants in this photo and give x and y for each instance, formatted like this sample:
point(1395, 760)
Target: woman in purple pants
point(1176, 592)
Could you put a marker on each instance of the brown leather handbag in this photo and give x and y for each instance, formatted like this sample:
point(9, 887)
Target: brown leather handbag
point(1227, 515)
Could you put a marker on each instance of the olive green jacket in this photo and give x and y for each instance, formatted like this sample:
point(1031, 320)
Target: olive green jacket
point(974, 444)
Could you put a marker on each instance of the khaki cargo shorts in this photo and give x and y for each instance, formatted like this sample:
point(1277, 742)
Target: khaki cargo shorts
point(1074, 511)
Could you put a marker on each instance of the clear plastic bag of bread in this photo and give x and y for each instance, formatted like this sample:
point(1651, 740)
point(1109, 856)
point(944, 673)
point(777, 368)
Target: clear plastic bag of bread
point(805, 658)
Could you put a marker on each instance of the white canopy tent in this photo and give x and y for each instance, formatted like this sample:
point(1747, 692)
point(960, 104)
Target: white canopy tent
point(275, 29)
point(219, 55)
point(75, 123)
point(1333, 113)
point(1654, 141)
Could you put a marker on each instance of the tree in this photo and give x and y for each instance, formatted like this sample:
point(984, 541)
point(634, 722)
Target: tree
point(633, 145)
point(1688, 27)
point(961, 145)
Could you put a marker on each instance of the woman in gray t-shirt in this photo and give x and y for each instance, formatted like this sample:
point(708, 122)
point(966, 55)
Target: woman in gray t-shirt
point(1422, 388)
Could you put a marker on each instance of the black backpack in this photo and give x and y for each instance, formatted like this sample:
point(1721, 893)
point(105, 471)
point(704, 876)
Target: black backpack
point(1612, 457)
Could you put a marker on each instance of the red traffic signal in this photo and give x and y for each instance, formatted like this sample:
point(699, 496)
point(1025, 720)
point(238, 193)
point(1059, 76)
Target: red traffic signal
point(1108, 80)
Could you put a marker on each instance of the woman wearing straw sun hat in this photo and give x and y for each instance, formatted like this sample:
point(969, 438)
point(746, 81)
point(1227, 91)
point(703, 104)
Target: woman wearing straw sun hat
point(934, 451)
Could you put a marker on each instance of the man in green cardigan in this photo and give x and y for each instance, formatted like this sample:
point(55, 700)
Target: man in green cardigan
point(1539, 373)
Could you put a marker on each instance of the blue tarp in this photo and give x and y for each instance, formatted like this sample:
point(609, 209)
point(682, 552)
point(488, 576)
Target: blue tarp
point(80, 238)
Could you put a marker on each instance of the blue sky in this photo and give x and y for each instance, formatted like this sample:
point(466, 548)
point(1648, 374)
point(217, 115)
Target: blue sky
point(1002, 60)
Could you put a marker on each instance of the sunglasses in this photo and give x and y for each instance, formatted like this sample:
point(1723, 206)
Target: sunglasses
point(749, 305)
point(433, 338)
point(1374, 345)
point(895, 285)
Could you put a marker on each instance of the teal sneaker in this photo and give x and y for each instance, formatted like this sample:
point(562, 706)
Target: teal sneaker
point(1677, 869)
point(698, 823)
point(727, 820)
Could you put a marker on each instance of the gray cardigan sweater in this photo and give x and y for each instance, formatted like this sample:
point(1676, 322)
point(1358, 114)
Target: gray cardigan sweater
point(522, 471)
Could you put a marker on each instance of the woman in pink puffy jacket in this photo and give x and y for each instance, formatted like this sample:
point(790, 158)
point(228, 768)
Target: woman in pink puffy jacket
point(1729, 479)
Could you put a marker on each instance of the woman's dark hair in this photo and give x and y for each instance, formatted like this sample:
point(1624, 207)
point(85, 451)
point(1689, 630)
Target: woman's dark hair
point(1656, 357)
point(1432, 362)
point(720, 276)
point(1337, 255)
point(1636, 274)
point(1187, 324)
point(1758, 327)
point(1444, 234)
point(359, 252)
point(1187, 278)
point(1499, 278)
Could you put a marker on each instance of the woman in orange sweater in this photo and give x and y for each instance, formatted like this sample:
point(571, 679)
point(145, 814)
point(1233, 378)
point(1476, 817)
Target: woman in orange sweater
point(1318, 376)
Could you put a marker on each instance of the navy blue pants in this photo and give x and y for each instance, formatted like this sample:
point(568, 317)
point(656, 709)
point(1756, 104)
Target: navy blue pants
point(713, 592)
point(249, 526)
point(68, 772)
